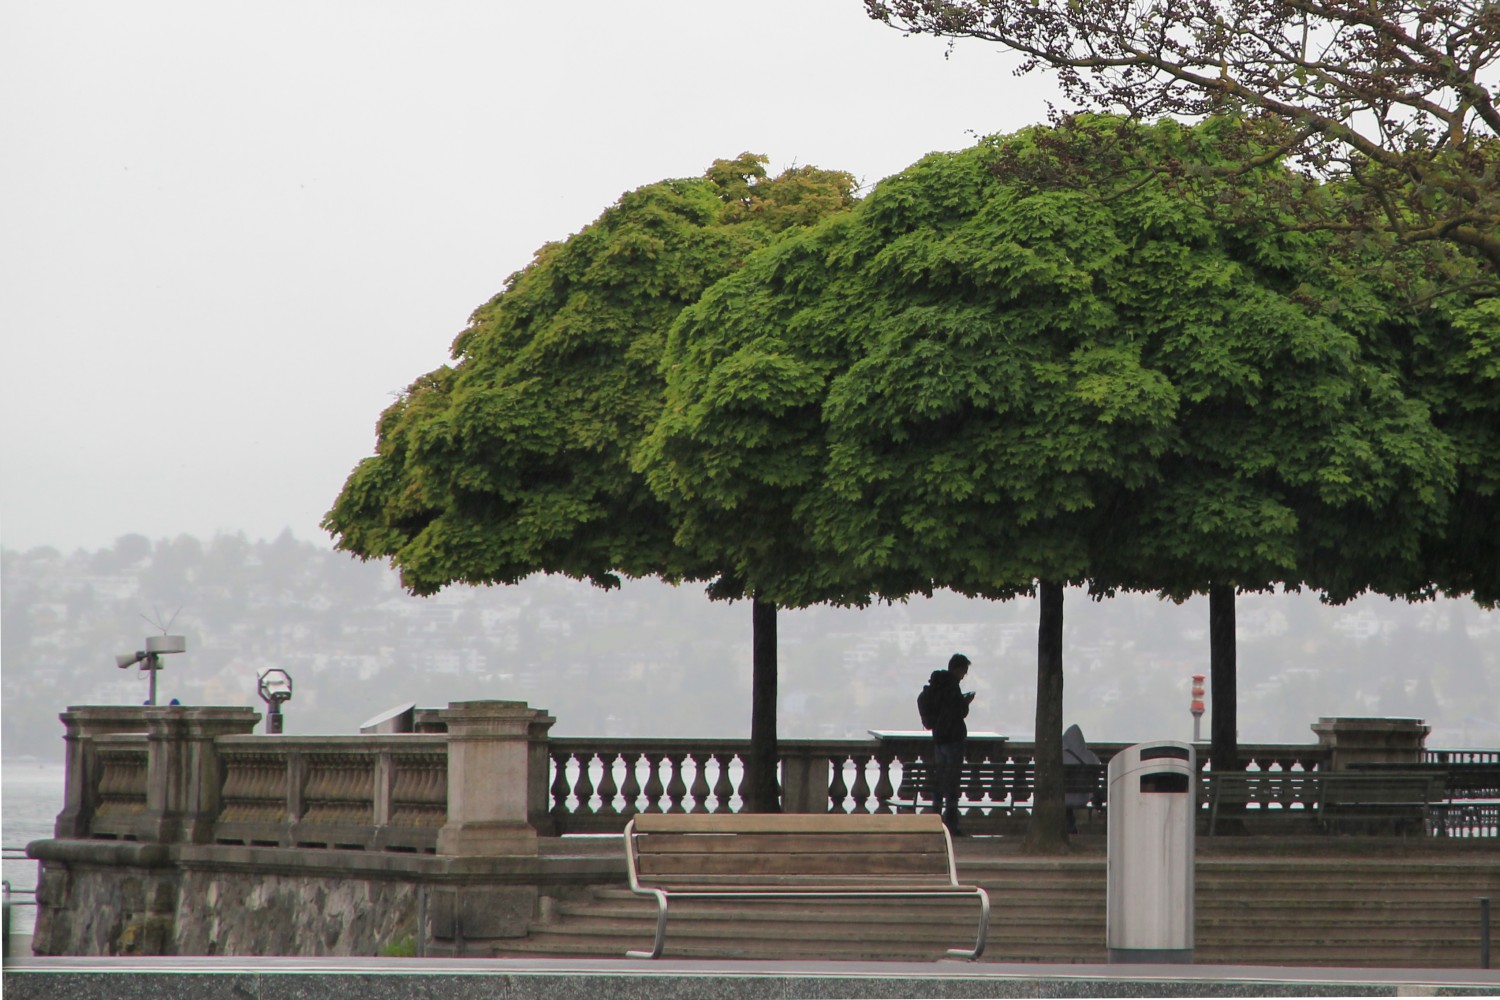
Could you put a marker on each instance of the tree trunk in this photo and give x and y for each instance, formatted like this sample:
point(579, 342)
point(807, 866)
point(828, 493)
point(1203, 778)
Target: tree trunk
point(1224, 731)
point(760, 790)
point(1224, 748)
point(1048, 832)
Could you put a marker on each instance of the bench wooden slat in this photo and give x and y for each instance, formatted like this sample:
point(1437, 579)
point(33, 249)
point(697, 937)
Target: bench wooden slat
point(817, 865)
point(852, 886)
point(782, 823)
point(759, 843)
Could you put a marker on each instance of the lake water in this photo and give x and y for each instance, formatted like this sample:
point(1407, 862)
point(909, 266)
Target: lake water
point(31, 796)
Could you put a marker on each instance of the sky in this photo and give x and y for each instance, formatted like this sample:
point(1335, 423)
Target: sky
point(230, 233)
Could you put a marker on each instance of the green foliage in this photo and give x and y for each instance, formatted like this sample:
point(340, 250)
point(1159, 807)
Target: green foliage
point(515, 459)
point(402, 947)
point(987, 374)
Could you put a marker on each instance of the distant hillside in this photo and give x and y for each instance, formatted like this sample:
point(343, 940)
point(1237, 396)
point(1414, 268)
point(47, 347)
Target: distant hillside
point(652, 660)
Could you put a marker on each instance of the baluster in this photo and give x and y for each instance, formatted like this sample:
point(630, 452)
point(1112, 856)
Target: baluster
point(1023, 777)
point(1262, 791)
point(632, 789)
point(861, 784)
point(723, 784)
point(838, 790)
point(560, 784)
point(908, 788)
point(585, 788)
point(974, 790)
point(699, 791)
point(354, 793)
point(608, 787)
point(883, 788)
point(676, 786)
point(654, 788)
point(438, 790)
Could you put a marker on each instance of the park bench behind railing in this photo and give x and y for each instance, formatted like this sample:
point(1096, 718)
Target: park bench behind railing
point(1328, 800)
point(793, 856)
point(1000, 786)
point(1378, 800)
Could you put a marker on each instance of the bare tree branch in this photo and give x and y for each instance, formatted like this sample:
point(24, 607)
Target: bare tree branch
point(1403, 88)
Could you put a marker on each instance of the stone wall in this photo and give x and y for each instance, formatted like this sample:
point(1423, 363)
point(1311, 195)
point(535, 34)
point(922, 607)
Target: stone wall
point(245, 914)
point(137, 899)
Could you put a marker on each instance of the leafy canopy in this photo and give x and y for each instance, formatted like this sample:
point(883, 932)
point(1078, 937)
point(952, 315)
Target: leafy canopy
point(980, 377)
point(515, 459)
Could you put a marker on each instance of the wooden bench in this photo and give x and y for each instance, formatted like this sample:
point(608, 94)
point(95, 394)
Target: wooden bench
point(1461, 779)
point(1292, 793)
point(1003, 786)
point(1471, 794)
point(1328, 799)
point(793, 856)
point(1378, 799)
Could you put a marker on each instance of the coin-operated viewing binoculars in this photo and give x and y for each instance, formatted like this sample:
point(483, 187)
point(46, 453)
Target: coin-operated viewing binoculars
point(275, 691)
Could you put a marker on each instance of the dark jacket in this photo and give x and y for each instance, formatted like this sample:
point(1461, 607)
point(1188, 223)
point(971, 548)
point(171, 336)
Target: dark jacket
point(949, 708)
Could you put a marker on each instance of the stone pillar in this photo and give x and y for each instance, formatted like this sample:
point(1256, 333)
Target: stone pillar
point(497, 778)
point(182, 777)
point(81, 723)
point(1348, 741)
point(804, 780)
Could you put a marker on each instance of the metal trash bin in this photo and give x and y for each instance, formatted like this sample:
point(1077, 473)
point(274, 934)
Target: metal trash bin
point(1152, 805)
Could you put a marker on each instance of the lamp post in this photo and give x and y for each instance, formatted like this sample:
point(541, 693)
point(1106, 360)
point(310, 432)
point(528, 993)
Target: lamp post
point(275, 690)
point(1197, 705)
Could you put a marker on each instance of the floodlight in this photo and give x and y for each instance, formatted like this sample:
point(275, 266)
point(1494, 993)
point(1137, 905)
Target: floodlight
point(150, 657)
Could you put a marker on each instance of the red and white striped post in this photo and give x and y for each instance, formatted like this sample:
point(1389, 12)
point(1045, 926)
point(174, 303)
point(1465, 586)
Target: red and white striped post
point(1197, 705)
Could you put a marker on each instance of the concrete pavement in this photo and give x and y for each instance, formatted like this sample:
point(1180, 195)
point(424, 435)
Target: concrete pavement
point(548, 979)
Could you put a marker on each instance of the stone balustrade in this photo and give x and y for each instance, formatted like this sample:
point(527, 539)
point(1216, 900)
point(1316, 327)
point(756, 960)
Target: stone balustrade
point(488, 778)
point(184, 833)
point(342, 792)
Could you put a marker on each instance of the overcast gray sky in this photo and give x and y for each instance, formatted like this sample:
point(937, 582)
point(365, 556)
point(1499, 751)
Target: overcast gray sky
point(229, 232)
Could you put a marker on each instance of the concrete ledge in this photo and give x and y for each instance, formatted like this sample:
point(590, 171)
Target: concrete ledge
point(401, 979)
point(562, 863)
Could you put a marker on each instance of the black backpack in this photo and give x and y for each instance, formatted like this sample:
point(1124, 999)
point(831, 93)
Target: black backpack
point(925, 708)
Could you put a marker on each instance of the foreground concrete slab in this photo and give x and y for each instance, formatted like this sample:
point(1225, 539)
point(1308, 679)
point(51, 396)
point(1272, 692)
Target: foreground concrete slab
point(540, 979)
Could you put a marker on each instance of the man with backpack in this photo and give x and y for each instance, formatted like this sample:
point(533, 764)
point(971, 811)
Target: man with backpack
point(943, 708)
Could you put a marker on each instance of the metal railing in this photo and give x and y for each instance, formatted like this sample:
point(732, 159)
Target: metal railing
point(9, 893)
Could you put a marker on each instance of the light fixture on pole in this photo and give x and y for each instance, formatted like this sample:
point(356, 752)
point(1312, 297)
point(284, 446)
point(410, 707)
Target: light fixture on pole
point(150, 657)
point(1197, 705)
point(275, 690)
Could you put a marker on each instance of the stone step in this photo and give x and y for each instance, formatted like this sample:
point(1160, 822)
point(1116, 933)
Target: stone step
point(1381, 953)
point(1300, 912)
point(901, 912)
point(1391, 931)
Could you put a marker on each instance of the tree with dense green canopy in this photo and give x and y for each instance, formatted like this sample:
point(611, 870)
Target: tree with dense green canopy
point(514, 460)
point(986, 379)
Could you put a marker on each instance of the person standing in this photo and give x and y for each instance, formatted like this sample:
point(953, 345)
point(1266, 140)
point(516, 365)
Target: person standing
point(944, 708)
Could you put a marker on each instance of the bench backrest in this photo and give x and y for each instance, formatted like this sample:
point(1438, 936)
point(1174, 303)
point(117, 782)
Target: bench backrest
point(1322, 788)
point(790, 849)
point(997, 781)
point(1283, 787)
point(1377, 788)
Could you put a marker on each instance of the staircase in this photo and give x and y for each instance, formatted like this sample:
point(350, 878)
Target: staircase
point(1401, 906)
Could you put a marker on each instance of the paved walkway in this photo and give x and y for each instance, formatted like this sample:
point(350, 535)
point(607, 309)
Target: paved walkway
point(545, 979)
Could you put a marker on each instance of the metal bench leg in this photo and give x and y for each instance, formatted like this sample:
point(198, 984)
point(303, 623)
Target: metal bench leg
point(661, 928)
point(984, 929)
